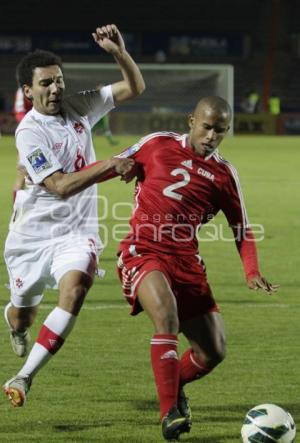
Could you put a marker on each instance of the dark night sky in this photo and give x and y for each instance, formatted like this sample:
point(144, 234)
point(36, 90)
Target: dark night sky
point(130, 16)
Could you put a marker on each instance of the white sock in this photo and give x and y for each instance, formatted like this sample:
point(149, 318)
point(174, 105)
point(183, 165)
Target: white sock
point(55, 329)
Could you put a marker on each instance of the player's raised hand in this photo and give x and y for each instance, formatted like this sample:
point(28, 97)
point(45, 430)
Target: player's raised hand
point(109, 38)
point(259, 282)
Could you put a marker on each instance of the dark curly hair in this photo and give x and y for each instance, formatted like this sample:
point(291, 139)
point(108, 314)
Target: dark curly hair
point(36, 59)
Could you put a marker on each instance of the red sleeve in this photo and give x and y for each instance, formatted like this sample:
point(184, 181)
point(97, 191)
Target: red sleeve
point(233, 206)
point(245, 243)
point(232, 201)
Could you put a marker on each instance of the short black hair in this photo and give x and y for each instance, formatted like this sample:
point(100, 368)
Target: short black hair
point(215, 103)
point(36, 59)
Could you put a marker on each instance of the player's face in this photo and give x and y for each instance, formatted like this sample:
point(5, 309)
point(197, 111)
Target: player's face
point(207, 129)
point(47, 89)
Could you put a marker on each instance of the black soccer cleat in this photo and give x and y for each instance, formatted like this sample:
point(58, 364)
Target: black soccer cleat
point(174, 424)
point(184, 407)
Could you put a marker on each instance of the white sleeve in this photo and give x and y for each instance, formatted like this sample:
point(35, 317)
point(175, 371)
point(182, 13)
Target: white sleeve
point(94, 104)
point(36, 156)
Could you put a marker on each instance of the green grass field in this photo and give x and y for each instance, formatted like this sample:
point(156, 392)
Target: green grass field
point(99, 387)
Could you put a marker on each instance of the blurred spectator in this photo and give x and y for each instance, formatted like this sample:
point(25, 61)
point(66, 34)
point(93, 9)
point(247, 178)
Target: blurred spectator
point(2, 102)
point(160, 56)
point(274, 104)
point(251, 103)
point(21, 105)
point(102, 127)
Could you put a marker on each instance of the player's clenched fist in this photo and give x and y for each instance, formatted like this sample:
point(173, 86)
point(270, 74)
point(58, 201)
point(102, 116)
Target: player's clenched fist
point(123, 166)
point(109, 38)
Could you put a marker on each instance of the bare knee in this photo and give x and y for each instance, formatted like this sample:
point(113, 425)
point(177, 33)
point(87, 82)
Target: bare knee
point(72, 298)
point(73, 288)
point(212, 357)
point(162, 310)
point(217, 356)
point(166, 322)
point(159, 303)
point(77, 292)
point(207, 338)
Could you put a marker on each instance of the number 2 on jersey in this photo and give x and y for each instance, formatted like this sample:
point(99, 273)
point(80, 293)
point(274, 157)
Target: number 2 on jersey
point(169, 191)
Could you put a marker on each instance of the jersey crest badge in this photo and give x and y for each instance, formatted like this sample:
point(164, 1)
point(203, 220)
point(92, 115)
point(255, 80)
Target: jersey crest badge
point(79, 128)
point(38, 161)
point(19, 282)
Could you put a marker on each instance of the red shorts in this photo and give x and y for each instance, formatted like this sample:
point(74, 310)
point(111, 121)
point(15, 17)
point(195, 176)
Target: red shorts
point(185, 274)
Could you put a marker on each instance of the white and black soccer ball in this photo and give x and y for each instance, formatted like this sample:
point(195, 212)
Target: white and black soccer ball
point(268, 424)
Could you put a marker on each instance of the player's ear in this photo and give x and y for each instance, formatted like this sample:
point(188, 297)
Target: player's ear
point(191, 120)
point(27, 92)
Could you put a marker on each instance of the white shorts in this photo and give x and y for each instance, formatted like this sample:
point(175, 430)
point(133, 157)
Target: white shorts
point(33, 263)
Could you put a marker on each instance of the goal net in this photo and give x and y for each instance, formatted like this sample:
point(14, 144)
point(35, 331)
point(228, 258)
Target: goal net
point(172, 91)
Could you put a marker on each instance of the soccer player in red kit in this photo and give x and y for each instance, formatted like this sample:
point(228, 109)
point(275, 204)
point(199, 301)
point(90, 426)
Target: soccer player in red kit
point(185, 182)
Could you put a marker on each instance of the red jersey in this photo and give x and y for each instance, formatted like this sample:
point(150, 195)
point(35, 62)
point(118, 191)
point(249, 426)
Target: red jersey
point(180, 192)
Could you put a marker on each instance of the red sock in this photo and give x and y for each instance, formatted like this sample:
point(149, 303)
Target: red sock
point(191, 368)
point(51, 341)
point(165, 365)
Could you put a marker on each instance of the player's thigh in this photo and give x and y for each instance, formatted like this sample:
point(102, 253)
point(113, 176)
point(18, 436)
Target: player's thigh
point(156, 297)
point(27, 262)
point(206, 334)
point(75, 254)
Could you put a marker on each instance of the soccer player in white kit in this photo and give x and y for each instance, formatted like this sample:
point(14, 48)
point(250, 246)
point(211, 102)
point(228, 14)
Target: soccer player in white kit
point(53, 235)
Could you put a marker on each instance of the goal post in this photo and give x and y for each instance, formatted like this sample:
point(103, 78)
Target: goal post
point(172, 91)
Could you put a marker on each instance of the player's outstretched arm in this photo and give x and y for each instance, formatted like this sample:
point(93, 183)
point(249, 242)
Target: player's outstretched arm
point(109, 38)
point(133, 173)
point(68, 184)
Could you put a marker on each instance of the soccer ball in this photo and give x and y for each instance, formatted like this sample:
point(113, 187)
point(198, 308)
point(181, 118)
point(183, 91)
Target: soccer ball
point(268, 424)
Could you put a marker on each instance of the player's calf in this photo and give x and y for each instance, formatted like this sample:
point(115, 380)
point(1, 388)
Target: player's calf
point(20, 340)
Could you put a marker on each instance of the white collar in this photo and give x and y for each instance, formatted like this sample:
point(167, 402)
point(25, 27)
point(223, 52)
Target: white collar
point(47, 118)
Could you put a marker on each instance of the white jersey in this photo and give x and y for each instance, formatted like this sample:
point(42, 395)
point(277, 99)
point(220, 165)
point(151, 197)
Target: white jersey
point(51, 143)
